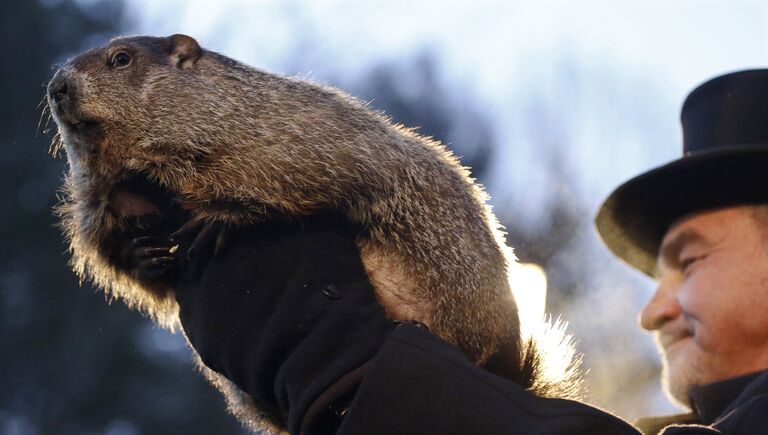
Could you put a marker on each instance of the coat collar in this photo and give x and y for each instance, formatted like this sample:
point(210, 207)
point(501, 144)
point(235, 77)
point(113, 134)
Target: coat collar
point(711, 401)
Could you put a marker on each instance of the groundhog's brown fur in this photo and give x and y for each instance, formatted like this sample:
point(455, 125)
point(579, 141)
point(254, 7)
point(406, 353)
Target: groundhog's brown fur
point(236, 144)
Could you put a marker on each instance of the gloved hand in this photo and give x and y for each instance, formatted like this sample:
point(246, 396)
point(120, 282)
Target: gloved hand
point(285, 311)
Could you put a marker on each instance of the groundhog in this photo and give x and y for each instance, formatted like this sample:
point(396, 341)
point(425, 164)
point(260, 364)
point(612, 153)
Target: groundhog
point(159, 133)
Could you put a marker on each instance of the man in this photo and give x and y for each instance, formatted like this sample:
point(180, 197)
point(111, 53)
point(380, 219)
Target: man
point(699, 225)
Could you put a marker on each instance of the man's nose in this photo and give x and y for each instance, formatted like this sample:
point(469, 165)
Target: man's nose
point(58, 87)
point(662, 308)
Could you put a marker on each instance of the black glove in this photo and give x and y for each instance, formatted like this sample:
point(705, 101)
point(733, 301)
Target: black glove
point(286, 312)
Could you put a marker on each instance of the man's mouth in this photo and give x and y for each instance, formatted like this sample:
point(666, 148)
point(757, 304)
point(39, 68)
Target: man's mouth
point(673, 338)
point(676, 342)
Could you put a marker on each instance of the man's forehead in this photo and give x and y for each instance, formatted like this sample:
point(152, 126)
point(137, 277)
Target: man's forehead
point(705, 224)
point(709, 227)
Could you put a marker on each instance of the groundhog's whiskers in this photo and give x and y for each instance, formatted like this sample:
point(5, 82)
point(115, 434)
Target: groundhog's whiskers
point(43, 124)
point(45, 108)
point(57, 143)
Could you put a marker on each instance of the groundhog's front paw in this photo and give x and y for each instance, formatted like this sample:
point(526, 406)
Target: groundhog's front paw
point(151, 262)
point(199, 243)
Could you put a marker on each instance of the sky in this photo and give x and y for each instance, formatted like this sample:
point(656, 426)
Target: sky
point(598, 82)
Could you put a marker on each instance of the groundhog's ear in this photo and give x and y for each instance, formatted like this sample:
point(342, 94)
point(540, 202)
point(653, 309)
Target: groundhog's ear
point(184, 50)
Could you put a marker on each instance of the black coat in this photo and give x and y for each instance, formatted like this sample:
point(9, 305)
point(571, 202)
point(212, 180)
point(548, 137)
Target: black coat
point(261, 314)
point(419, 384)
point(737, 406)
point(414, 382)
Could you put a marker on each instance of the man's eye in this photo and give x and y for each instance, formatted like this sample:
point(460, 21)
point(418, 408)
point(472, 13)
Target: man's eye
point(686, 263)
point(121, 59)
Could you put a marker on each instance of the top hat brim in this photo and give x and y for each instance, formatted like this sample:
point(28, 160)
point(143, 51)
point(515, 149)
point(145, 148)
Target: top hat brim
point(634, 219)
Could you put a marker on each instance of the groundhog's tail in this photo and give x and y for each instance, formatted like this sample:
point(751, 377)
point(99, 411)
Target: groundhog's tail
point(550, 366)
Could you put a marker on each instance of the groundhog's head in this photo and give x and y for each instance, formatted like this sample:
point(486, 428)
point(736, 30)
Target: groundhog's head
point(126, 113)
point(117, 106)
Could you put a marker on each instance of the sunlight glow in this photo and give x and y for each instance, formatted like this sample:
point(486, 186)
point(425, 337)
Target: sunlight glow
point(529, 286)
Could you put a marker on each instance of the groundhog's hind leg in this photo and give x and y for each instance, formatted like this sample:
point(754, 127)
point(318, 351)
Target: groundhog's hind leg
point(395, 289)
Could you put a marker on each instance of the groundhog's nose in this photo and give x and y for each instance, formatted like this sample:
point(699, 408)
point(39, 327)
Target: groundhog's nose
point(58, 88)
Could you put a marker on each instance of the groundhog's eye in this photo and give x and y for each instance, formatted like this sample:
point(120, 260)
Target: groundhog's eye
point(121, 59)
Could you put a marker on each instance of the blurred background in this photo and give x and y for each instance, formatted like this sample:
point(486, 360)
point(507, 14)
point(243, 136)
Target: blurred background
point(552, 104)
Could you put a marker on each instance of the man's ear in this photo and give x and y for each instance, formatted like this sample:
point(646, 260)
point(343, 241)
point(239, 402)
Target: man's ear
point(183, 50)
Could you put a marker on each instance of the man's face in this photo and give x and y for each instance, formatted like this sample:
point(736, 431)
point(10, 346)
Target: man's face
point(710, 310)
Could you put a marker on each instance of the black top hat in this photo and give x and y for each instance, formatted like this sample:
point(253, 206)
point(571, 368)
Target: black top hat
point(724, 163)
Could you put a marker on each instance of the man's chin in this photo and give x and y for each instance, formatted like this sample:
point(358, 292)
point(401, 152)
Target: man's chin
point(675, 389)
point(678, 375)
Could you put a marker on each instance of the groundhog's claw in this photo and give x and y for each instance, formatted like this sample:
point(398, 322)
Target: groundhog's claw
point(152, 263)
point(187, 232)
